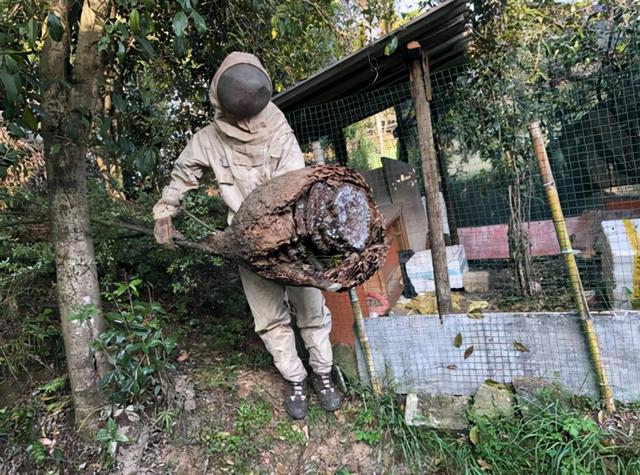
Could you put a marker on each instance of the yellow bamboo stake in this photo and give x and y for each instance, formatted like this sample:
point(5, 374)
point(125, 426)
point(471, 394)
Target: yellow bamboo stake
point(364, 341)
point(570, 260)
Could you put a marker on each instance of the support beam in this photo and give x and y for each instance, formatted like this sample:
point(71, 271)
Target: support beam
point(421, 93)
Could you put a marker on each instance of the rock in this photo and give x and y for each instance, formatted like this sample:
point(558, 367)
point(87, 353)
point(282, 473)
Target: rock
point(493, 400)
point(344, 356)
point(530, 392)
point(476, 281)
point(437, 411)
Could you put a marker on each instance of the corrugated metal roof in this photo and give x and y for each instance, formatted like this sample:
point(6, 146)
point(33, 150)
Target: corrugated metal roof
point(442, 31)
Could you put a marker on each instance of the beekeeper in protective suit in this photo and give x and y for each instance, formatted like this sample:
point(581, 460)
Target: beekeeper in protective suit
point(249, 142)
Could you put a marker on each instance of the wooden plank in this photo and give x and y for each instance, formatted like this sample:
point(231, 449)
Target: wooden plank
point(421, 92)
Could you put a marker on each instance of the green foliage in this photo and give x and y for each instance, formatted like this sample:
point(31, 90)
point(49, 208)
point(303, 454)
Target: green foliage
point(160, 57)
point(166, 420)
point(244, 442)
point(553, 438)
point(525, 64)
point(136, 347)
point(366, 428)
point(220, 442)
point(251, 417)
point(9, 156)
point(36, 340)
point(25, 426)
point(110, 437)
point(362, 154)
point(290, 433)
point(17, 422)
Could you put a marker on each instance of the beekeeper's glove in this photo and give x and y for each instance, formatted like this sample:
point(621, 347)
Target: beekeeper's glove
point(164, 232)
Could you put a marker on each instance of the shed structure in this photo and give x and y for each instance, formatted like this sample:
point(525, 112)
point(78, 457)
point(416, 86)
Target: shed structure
point(322, 105)
point(374, 79)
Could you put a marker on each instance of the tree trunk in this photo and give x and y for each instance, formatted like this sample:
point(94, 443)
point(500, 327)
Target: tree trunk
point(66, 129)
point(519, 250)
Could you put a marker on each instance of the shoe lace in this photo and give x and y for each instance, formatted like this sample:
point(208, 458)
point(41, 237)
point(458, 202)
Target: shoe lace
point(298, 391)
point(325, 379)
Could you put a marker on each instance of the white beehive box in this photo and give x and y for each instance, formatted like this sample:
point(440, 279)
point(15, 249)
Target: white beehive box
point(420, 269)
point(620, 265)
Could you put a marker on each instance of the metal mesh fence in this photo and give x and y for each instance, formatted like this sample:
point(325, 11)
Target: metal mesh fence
point(419, 355)
point(494, 200)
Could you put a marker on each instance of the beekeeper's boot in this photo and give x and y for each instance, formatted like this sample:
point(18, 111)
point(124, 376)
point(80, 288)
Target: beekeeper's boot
point(329, 397)
point(296, 400)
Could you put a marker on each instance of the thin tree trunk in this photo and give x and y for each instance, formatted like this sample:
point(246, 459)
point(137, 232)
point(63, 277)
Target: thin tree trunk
point(66, 129)
point(519, 250)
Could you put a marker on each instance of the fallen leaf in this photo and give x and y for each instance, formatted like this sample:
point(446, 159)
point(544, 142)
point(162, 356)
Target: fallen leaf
point(484, 464)
point(476, 314)
point(473, 435)
point(132, 416)
point(520, 347)
point(457, 341)
point(495, 384)
point(452, 366)
point(46, 441)
point(183, 356)
point(601, 417)
point(468, 352)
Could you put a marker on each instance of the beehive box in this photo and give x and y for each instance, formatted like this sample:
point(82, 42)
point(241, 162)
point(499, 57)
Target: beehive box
point(420, 269)
point(621, 262)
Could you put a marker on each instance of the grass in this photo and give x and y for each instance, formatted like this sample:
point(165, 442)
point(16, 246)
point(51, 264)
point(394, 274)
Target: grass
point(553, 439)
point(243, 442)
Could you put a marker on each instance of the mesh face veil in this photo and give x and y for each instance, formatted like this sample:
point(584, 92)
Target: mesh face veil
point(243, 91)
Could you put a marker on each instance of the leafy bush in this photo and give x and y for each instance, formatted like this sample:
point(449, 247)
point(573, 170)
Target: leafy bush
point(110, 437)
point(23, 427)
point(192, 280)
point(35, 340)
point(136, 347)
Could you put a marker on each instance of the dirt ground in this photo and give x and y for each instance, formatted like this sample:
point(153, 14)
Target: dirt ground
point(229, 419)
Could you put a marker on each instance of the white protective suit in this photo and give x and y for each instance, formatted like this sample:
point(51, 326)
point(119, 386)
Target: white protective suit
point(243, 155)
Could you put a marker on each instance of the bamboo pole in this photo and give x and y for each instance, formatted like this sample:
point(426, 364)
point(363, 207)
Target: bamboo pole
point(364, 341)
point(570, 260)
point(421, 93)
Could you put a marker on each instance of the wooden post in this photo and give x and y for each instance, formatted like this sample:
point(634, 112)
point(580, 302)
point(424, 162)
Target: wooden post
point(421, 93)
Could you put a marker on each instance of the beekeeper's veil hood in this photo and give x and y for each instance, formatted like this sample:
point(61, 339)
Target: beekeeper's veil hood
point(242, 86)
point(240, 92)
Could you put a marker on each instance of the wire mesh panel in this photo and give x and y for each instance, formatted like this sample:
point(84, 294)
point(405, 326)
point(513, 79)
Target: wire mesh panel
point(419, 354)
point(495, 205)
point(503, 253)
